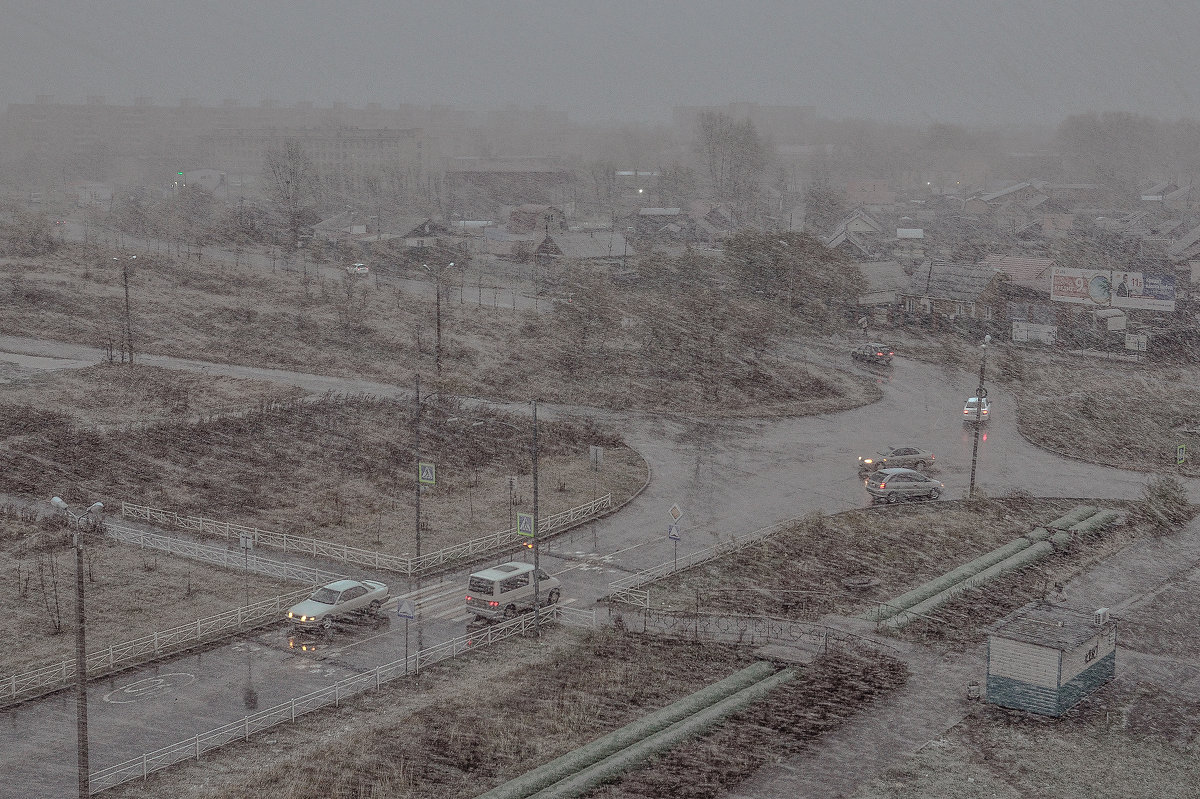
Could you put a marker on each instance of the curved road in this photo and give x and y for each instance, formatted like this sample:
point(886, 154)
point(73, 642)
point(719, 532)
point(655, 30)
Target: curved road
point(729, 477)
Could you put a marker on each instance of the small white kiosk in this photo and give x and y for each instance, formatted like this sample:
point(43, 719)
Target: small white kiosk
point(1045, 659)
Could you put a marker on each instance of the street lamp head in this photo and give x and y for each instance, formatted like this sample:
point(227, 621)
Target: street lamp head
point(452, 263)
point(96, 507)
point(987, 339)
point(58, 503)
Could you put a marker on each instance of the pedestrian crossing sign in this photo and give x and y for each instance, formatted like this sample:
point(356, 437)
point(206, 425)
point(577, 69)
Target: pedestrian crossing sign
point(525, 524)
point(426, 474)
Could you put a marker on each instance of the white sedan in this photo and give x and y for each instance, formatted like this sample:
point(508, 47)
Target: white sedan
point(358, 269)
point(339, 598)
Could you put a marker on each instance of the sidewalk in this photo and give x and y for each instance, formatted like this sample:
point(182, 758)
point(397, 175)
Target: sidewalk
point(934, 698)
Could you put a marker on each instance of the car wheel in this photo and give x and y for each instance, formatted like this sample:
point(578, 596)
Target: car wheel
point(510, 612)
point(375, 606)
point(327, 624)
point(934, 494)
point(919, 465)
point(552, 599)
point(892, 498)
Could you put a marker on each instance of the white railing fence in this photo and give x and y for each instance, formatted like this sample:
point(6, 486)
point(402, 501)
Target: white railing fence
point(233, 559)
point(398, 564)
point(56, 676)
point(194, 747)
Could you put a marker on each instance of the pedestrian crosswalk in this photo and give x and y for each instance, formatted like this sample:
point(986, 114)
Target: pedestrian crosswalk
point(440, 601)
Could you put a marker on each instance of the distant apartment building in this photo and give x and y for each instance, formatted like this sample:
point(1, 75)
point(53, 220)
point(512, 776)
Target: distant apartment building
point(345, 158)
point(138, 142)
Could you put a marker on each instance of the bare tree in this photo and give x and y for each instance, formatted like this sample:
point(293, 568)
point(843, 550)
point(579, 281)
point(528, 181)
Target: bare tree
point(291, 183)
point(734, 155)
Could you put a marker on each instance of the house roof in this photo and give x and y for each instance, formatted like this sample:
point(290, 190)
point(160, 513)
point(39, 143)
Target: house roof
point(996, 195)
point(1034, 273)
point(1186, 246)
point(583, 246)
point(883, 276)
point(1046, 625)
point(945, 281)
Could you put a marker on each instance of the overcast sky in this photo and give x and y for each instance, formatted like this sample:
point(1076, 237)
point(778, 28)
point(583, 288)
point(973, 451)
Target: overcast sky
point(960, 61)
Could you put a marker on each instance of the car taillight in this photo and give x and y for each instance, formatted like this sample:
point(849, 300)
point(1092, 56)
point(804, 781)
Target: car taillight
point(468, 597)
point(883, 485)
point(494, 604)
point(891, 353)
point(966, 411)
point(879, 353)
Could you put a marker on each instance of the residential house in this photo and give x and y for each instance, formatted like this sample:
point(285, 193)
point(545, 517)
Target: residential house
point(510, 246)
point(597, 246)
point(947, 291)
point(663, 224)
point(535, 218)
point(859, 235)
point(417, 231)
point(1027, 275)
point(885, 281)
point(712, 222)
point(910, 244)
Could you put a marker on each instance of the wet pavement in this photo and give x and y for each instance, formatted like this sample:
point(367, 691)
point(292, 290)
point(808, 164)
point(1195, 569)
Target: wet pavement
point(730, 477)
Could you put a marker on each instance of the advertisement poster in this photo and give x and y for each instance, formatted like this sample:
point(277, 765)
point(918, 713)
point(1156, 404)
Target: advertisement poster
point(1113, 288)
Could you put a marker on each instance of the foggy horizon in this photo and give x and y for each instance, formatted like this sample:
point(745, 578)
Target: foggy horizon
point(620, 62)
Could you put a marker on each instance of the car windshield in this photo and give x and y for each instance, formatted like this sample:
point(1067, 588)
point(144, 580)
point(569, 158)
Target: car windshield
point(326, 596)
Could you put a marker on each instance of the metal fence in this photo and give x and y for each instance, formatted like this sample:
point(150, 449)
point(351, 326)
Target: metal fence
point(233, 559)
point(56, 676)
point(398, 564)
point(630, 591)
point(194, 747)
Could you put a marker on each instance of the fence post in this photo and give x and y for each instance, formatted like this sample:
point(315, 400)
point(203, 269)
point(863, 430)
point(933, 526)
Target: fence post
point(110, 656)
point(337, 693)
point(156, 642)
point(293, 711)
point(246, 725)
point(197, 747)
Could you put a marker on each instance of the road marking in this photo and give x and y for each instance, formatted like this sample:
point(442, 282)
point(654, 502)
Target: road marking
point(149, 688)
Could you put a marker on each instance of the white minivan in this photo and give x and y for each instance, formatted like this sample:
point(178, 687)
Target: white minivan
point(504, 591)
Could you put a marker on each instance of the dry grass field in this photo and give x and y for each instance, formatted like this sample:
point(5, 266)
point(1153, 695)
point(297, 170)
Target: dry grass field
point(701, 354)
point(466, 726)
point(130, 592)
point(337, 468)
point(800, 572)
point(111, 396)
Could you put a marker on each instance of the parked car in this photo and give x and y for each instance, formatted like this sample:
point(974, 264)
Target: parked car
point(892, 485)
point(358, 269)
point(873, 352)
point(336, 600)
point(908, 457)
point(504, 591)
point(972, 408)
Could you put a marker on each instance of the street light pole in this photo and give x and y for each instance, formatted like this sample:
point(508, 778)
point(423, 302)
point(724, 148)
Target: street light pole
point(85, 788)
point(537, 599)
point(980, 393)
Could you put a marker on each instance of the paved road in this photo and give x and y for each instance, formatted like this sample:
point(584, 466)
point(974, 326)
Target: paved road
point(730, 478)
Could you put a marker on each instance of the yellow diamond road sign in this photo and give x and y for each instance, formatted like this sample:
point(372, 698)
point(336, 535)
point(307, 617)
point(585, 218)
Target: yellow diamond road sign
point(676, 513)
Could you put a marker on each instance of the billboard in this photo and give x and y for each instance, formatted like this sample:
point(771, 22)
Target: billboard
point(1113, 288)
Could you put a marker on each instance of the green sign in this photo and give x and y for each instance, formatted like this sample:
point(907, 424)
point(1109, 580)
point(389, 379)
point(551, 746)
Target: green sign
point(525, 524)
point(1180, 454)
point(426, 474)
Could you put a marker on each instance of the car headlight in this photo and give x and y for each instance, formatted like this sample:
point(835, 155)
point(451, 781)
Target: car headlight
point(290, 615)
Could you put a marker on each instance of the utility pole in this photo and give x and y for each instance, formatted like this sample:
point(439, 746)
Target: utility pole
point(980, 394)
point(81, 731)
point(537, 598)
point(417, 456)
